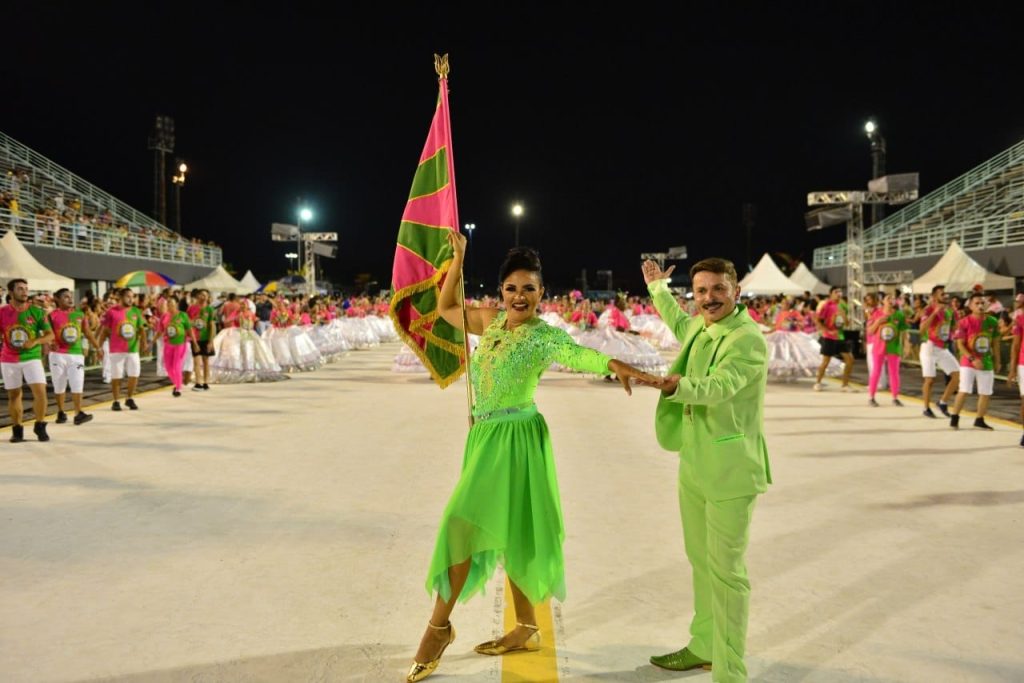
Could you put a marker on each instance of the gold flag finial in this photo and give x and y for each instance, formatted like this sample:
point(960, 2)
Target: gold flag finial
point(441, 65)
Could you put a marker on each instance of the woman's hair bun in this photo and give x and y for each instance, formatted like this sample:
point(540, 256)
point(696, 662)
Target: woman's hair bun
point(519, 258)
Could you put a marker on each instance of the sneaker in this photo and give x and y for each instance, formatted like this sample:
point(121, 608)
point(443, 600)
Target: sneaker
point(40, 430)
point(62, 417)
point(115, 406)
point(927, 412)
point(17, 433)
point(873, 403)
point(175, 393)
point(979, 423)
point(206, 387)
point(131, 404)
point(896, 402)
point(82, 418)
point(1022, 442)
point(818, 386)
point(197, 387)
point(850, 389)
point(944, 409)
point(954, 421)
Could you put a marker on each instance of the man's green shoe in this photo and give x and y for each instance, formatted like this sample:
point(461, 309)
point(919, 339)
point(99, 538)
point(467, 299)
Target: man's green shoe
point(683, 660)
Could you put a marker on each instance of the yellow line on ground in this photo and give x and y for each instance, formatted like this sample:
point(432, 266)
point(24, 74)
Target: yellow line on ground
point(531, 667)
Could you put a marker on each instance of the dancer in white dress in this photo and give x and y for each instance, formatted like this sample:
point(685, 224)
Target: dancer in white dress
point(792, 353)
point(241, 354)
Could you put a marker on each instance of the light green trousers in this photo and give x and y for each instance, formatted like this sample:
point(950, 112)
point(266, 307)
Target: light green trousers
point(716, 536)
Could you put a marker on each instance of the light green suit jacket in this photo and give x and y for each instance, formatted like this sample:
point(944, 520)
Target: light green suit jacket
point(715, 418)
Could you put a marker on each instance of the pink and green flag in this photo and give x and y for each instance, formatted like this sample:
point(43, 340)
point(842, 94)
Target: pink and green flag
point(423, 256)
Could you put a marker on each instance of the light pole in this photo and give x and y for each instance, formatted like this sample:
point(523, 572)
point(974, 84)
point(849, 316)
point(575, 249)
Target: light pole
point(292, 256)
point(179, 181)
point(517, 213)
point(305, 214)
point(877, 163)
point(470, 227)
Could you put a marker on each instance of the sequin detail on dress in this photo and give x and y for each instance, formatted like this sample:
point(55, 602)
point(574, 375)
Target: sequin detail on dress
point(508, 363)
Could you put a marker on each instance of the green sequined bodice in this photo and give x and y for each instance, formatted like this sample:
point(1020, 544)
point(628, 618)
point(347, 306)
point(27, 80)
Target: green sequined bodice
point(507, 364)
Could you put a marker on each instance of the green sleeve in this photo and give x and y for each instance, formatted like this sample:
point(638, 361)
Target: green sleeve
point(743, 362)
point(668, 308)
point(572, 355)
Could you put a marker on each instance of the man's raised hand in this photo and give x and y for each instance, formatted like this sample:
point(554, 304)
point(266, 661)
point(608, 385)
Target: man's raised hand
point(652, 271)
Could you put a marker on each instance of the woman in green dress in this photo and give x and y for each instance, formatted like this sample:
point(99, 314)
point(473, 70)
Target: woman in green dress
point(505, 508)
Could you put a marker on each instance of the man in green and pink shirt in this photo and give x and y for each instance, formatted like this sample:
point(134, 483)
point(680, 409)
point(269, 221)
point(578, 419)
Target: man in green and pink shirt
point(25, 330)
point(204, 326)
point(1016, 373)
point(937, 325)
point(831, 318)
point(976, 338)
point(125, 327)
point(67, 359)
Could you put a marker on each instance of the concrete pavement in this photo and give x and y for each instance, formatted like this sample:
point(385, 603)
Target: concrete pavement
point(280, 532)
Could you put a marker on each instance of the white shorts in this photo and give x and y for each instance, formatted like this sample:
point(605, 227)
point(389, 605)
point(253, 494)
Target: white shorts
point(1020, 379)
point(986, 381)
point(932, 356)
point(65, 369)
point(31, 371)
point(124, 364)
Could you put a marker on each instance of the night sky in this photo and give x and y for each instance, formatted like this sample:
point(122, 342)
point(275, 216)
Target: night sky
point(620, 133)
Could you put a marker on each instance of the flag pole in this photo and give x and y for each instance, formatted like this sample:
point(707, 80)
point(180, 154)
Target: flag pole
point(442, 69)
point(465, 341)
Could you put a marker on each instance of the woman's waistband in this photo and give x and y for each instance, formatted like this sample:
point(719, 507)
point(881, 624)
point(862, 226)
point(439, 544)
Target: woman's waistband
point(518, 412)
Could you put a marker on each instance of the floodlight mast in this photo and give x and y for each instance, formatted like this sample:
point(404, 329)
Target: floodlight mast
point(308, 238)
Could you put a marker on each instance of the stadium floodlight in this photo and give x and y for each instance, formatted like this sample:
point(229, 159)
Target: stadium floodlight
point(517, 213)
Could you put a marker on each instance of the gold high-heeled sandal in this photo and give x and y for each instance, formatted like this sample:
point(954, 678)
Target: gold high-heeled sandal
point(495, 648)
point(420, 671)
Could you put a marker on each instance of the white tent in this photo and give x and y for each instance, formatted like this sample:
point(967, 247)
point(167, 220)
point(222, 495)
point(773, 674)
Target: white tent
point(959, 273)
point(766, 278)
point(249, 282)
point(216, 281)
point(808, 280)
point(15, 261)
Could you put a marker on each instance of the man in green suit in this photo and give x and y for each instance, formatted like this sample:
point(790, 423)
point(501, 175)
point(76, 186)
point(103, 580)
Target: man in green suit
point(711, 412)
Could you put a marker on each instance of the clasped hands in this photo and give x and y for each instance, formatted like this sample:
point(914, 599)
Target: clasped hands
point(625, 373)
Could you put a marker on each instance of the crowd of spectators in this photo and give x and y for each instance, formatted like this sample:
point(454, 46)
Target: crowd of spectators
point(49, 217)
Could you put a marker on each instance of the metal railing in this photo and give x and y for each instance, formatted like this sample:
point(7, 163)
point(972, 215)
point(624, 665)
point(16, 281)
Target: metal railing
point(983, 233)
point(952, 190)
point(981, 209)
point(64, 178)
point(44, 232)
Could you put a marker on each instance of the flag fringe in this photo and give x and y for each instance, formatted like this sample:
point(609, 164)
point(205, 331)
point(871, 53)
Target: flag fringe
point(418, 326)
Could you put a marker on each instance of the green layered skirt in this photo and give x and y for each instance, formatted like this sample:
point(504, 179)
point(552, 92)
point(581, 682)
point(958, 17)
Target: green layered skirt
point(505, 509)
